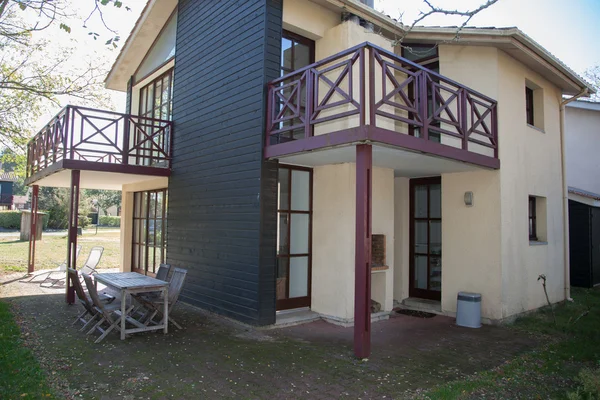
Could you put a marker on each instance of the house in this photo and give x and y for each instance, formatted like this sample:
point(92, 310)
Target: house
point(6, 189)
point(582, 126)
point(295, 157)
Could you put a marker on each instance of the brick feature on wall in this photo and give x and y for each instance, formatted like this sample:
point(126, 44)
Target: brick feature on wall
point(378, 251)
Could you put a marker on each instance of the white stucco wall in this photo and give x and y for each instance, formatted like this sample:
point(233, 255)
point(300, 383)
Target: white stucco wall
point(401, 237)
point(334, 210)
point(308, 19)
point(582, 129)
point(471, 259)
point(530, 165)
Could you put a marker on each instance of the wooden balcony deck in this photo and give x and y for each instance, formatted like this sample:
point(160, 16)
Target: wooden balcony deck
point(368, 94)
point(80, 138)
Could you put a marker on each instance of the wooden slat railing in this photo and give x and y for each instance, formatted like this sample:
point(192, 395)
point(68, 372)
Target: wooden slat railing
point(367, 85)
point(86, 134)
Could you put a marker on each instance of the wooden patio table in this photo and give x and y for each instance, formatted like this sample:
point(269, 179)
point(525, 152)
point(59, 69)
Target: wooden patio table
point(130, 283)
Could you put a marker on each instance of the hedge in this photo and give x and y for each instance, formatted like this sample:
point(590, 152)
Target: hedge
point(12, 220)
point(108, 220)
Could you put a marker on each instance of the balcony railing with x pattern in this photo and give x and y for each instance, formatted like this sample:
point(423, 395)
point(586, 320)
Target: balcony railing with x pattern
point(367, 85)
point(86, 134)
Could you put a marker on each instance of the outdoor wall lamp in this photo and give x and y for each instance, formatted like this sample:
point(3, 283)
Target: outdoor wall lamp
point(468, 199)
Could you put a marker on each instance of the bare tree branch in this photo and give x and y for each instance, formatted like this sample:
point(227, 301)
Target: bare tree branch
point(435, 10)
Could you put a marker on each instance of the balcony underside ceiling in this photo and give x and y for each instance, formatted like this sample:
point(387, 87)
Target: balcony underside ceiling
point(93, 179)
point(405, 163)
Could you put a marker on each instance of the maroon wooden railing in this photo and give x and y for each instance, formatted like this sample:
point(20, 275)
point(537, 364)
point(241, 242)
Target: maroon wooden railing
point(367, 85)
point(86, 134)
point(6, 199)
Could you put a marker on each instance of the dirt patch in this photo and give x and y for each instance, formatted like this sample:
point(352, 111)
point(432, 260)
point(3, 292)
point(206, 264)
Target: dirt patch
point(213, 357)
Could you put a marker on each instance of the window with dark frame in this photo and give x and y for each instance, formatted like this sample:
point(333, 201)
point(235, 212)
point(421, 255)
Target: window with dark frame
point(156, 101)
point(294, 226)
point(532, 219)
point(149, 245)
point(156, 98)
point(529, 105)
point(296, 52)
point(426, 55)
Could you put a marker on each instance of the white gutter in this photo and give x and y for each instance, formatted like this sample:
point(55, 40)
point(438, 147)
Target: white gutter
point(584, 92)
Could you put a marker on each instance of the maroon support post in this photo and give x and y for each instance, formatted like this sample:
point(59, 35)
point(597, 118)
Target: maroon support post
point(33, 229)
point(72, 233)
point(362, 279)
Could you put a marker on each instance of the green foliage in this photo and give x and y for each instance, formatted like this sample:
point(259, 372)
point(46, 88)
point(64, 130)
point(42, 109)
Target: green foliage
point(83, 221)
point(107, 220)
point(589, 389)
point(12, 220)
point(56, 202)
point(104, 199)
point(20, 373)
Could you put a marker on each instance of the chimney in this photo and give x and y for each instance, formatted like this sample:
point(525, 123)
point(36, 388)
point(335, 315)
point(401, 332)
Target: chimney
point(370, 3)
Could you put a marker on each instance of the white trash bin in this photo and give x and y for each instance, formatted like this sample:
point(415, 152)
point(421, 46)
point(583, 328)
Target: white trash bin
point(468, 310)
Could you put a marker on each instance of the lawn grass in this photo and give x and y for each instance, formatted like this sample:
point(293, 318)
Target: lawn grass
point(20, 374)
point(52, 250)
point(567, 347)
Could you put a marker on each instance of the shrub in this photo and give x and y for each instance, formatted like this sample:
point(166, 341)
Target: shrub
point(107, 220)
point(83, 221)
point(589, 388)
point(12, 220)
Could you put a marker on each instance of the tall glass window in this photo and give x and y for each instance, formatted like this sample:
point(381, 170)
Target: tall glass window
point(149, 231)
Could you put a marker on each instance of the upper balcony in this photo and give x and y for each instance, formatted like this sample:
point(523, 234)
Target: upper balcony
point(368, 94)
point(111, 149)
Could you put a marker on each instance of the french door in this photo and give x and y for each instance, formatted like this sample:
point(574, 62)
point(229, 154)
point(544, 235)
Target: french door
point(294, 237)
point(149, 246)
point(426, 238)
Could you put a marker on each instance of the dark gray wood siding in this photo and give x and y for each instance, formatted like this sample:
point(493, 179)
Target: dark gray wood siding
point(222, 194)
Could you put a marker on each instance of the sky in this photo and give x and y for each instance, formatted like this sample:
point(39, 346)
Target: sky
point(569, 29)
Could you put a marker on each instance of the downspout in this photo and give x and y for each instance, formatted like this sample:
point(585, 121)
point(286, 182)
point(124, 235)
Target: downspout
point(563, 154)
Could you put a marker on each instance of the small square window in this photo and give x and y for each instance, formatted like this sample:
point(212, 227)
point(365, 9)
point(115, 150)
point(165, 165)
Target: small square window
point(529, 105)
point(534, 105)
point(536, 211)
point(532, 219)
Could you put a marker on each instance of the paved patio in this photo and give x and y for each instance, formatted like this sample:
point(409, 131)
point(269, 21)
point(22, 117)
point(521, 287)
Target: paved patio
point(213, 357)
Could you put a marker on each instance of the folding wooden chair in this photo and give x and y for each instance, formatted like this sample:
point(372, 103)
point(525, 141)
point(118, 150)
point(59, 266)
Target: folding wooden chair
point(107, 315)
point(87, 303)
point(155, 306)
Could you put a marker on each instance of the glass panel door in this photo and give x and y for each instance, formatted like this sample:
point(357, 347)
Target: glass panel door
point(149, 231)
point(426, 238)
point(294, 247)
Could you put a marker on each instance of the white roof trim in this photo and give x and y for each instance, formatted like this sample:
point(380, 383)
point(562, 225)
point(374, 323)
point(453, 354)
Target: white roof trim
point(144, 33)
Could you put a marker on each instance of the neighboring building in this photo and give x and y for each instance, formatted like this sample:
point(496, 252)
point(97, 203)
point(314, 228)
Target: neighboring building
point(582, 126)
point(7, 180)
point(392, 173)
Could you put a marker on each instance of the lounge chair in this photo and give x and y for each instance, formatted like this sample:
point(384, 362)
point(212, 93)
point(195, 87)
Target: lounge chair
point(90, 265)
point(154, 307)
point(61, 268)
